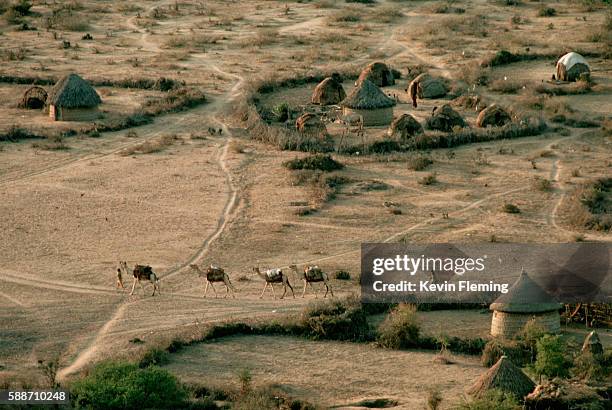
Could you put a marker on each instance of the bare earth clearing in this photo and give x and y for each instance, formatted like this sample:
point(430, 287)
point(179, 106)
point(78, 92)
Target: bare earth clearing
point(69, 215)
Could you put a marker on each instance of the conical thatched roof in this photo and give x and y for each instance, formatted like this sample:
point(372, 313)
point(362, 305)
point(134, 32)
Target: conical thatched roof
point(525, 296)
point(493, 115)
point(405, 126)
point(367, 96)
point(505, 376)
point(329, 91)
point(73, 92)
point(378, 73)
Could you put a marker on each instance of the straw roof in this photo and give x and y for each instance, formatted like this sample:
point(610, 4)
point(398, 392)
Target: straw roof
point(493, 115)
point(378, 73)
point(329, 91)
point(405, 126)
point(505, 376)
point(525, 296)
point(35, 97)
point(367, 96)
point(73, 92)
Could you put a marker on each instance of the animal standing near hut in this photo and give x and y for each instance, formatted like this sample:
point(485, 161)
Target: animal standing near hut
point(313, 274)
point(215, 274)
point(272, 276)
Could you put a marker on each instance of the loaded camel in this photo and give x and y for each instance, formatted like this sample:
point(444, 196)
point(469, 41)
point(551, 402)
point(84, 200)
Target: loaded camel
point(272, 276)
point(215, 274)
point(313, 274)
point(140, 272)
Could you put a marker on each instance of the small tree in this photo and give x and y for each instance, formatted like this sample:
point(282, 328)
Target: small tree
point(531, 333)
point(550, 359)
point(400, 329)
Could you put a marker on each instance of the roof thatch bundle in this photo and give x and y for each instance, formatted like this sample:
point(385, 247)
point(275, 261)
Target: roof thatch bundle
point(592, 344)
point(564, 394)
point(367, 96)
point(310, 123)
point(405, 126)
point(444, 119)
point(427, 86)
point(329, 91)
point(378, 73)
point(34, 98)
point(525, 296)
point(494, 116)
point(505, 376)
point(571, 66)
point(73, 92)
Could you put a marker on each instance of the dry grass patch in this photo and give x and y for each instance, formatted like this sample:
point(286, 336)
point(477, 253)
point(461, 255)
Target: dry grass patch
point(151, 147)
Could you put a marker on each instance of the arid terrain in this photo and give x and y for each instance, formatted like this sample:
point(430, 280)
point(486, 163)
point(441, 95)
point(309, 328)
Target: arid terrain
point(75, 203)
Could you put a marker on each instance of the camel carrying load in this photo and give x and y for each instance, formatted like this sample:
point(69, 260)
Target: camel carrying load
point(274, 274)
point(313, 274)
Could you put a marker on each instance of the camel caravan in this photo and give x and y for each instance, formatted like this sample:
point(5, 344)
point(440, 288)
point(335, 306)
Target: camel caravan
point(211, 274)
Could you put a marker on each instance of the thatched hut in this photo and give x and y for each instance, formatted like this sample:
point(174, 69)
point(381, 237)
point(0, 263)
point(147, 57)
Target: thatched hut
point(564, 394)
point(329, 91)
point(494, 116)
point(524, 301)
point(367, 100)
point(445, 119)
point(405, 126)
point(34, 98)
point(309, 123)
point(73, 99)
point(427, 86)
point(505, 376)
point(592, 344)
point(378, 73)
point(571, 66)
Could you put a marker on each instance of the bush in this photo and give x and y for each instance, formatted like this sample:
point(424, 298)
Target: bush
point(493, 351)
point(419, 162)
point(117, 385)
point(542, 184)
point(336, 320)
point(545, 11)
point(493, 399)
point(320, 161)
point(511, 209)
point(503, 57)
point(153, 357)
point(342, 275)
point(400, 328)
point(428, 179)
point(589, 367)
point(550, 358)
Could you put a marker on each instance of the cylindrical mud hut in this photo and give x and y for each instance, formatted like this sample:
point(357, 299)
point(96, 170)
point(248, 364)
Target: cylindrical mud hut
point(73, 99)
point(367, 100)
point(524, 301)
point(329, 91)
point(571, 66)
point(34, 98)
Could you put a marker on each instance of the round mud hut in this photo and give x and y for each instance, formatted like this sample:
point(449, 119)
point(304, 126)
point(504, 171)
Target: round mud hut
point(405, 126)
point(571, 67)
point(34, 98)
point(504, 376)
point(427, 86)
point(524, 301)
point(493, 116)
point(367, 100)
point(329, 91)
point(445, 119)
point(310, 124)
point(378, 73)
point(73, 99)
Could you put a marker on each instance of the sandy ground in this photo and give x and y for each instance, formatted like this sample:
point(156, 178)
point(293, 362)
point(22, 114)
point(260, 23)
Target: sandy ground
point(70, 215)
point(328, 372)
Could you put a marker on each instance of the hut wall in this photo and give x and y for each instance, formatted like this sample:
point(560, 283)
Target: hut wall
point(73, 114)
point(379, 116)
point(507, 325)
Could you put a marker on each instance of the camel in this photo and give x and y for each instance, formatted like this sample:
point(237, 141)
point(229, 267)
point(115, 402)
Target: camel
point(272, 276)
point(215, 274)
point(313, 274)
point(141, 272)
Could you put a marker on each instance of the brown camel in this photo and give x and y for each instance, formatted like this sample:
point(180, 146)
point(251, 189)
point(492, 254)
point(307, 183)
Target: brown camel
point(215, 274)
point(272, 276)
point(140, 273)
point(313, 274)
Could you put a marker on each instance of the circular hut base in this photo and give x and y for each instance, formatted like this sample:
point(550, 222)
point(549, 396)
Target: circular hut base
point(506, 325)
point(374, 117)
